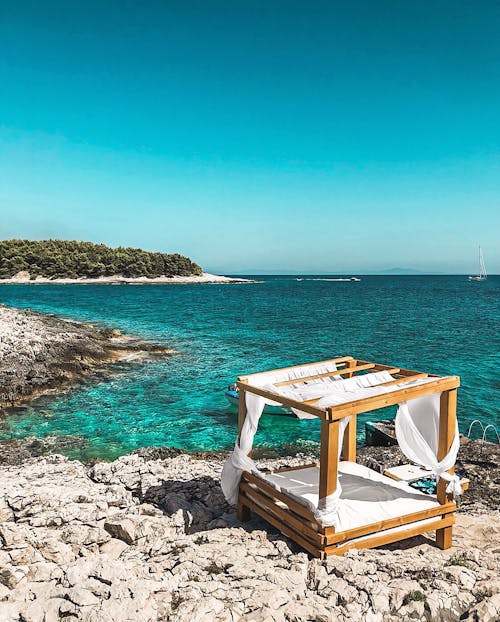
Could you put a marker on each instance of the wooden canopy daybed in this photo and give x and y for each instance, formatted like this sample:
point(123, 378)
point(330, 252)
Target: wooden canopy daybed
point(376, 510)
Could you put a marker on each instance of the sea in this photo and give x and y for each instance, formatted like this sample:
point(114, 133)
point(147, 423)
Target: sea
point(438, 324)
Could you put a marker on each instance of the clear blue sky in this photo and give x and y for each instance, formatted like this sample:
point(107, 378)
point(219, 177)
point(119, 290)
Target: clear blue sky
point(313, 136)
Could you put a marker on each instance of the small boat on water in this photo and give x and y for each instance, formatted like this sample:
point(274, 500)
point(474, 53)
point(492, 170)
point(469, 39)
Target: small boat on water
point(232, 396)
point(380, 433)
point(482, 276)
point(348, 279)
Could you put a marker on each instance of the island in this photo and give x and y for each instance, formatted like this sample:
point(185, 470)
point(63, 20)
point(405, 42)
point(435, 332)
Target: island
point(70, 261)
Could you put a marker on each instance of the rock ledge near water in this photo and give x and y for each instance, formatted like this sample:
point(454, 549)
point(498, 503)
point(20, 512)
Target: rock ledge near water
point(40, 353)
point(153, 539)
point(150, 538)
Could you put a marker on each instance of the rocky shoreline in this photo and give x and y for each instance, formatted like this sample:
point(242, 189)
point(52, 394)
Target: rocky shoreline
point(150, 537)
point(23, 278)
point(150, 540)
point(40, 353)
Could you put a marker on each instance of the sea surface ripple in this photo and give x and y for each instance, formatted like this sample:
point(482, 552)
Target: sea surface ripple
point(439, 324)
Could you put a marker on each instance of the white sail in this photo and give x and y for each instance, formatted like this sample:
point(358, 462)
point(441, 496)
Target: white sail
point(482, 268)
point(482, 276)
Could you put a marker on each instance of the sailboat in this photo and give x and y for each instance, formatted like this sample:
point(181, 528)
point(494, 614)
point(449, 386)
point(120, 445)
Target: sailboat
point(482, 270)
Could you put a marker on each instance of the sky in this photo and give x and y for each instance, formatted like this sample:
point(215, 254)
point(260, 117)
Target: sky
point(249, 135)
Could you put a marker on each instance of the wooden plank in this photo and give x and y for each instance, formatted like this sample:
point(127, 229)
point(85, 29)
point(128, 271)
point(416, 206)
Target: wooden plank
point(393, 397)
point(292, 468)
point(404, 380)
point(340, 359)
point(299, 525)
point(447, 419)
point(276, 397)
point(389, 523)
point(447, 422)
point(242, 410)
point(414, 372)
point(387, 538)
point(328, 461)
point(285, 530)
point(350, 365)
point(328, 374)
point(444, 537)
point(263, 486)
point(293, 528)
point(242, 510)
point(381, 367)
point(349, 441)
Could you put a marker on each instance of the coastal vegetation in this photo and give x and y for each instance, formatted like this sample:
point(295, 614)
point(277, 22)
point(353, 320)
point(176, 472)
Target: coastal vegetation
point(71, 259)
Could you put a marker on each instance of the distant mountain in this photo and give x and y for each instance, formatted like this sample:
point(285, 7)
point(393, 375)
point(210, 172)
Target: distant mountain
point(401, 271)
point(389, 271)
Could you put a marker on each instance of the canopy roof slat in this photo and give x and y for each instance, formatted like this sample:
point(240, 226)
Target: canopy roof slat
point(338, 372)
point(350, 367)
point(393, 397)
point(341, 359)
point(276, 397)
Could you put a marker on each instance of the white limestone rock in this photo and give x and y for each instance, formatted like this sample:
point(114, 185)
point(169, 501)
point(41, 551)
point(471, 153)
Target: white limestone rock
point(154, 541)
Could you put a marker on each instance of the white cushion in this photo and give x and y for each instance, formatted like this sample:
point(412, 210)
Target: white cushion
point(367, 496)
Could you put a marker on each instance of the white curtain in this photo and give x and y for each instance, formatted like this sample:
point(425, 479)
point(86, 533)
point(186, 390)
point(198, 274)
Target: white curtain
point(239, 461)
point(334, 390)
point(417, 432)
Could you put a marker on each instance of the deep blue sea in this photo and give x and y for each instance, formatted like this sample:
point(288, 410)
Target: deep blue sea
point(439, 324)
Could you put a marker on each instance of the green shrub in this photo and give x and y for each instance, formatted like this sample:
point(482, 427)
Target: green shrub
point(415, 595)
point(71, 259)
point(457, 560)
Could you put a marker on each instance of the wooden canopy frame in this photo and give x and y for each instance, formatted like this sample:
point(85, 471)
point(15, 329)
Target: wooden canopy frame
point(296, 520)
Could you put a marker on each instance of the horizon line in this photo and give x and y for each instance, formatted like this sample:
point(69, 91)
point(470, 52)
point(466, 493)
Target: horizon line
point(354, 273)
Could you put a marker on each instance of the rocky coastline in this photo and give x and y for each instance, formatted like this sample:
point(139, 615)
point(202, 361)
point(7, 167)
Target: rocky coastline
point(41, 353)
point(149, 537)
point(24, 278)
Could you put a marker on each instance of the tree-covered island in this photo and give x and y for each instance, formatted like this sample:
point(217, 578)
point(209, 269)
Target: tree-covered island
point(71, 259)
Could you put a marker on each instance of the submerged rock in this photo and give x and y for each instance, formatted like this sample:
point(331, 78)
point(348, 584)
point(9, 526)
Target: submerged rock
point(40, 353)
point(152, 540)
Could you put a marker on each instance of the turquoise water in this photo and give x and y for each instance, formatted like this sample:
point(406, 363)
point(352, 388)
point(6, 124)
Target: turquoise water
point(440, 324)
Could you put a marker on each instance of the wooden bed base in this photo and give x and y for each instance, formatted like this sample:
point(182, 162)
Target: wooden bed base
point(298, 523)
point(295, 520)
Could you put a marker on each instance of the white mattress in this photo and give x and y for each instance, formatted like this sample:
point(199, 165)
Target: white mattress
point(367, 496)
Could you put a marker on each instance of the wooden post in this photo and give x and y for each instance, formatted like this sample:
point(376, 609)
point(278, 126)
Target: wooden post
point(242, 410)
point(447, 422)
point(329, 461)
point(349, 441)
point(349, 364)
point(242, 511)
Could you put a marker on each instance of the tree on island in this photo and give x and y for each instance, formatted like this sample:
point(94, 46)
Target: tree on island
point(71, 259)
